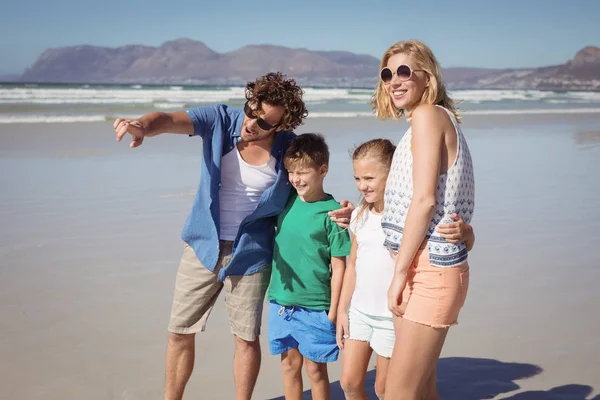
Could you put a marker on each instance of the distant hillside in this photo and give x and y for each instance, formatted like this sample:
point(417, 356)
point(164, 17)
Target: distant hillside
point(580, 73)
point(185, 61)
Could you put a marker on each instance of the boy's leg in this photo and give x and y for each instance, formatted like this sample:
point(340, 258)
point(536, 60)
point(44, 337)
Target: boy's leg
point(315, 335)
point(196, 290)
point(319, 379)
point(281, 342)
point(244, 298)
point(291, 370)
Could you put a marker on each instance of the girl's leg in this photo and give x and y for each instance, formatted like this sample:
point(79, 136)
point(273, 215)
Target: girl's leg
point(381, 375)
point(415, 355)
point(319, 379)
point(291, 368)
point(355, 361)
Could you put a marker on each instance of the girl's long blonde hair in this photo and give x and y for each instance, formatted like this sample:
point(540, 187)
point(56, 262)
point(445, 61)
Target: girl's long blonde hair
point(435, 92)
point(379, 150)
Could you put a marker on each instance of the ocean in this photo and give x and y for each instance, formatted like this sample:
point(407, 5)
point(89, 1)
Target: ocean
point(30, 103)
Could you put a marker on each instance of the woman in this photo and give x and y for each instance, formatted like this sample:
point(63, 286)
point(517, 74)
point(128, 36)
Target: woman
point(431, 178)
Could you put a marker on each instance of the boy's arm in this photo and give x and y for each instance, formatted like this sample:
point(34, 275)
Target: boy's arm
point(342, 331)
point(349, 282)
point(338, 266)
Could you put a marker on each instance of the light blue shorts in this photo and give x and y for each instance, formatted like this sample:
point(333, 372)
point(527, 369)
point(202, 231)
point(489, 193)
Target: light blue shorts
point(309, 331)
point(378, 331)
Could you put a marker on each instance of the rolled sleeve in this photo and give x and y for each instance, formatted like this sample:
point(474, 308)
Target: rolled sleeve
point(203, 119)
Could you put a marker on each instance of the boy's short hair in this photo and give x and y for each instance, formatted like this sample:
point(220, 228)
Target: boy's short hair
point(308, 149)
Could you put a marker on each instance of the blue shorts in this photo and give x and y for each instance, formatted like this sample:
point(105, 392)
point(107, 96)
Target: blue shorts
point(310, 331)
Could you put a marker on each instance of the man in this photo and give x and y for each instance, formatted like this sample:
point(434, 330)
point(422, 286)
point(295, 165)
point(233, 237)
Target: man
point(229, 233)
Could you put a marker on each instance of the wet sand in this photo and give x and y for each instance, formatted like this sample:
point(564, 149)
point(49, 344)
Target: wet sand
point(89, 247)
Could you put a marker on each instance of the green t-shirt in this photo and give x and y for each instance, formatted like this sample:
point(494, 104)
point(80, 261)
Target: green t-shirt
point(305, 241)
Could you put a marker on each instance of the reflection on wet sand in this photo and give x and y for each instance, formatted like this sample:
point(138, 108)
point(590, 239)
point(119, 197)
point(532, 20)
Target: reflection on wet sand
point(587, 138)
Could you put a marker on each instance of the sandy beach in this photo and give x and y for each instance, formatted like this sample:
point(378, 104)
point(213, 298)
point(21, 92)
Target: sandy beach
point(89, 248)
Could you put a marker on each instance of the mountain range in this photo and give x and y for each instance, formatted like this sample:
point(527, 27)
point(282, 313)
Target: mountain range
point(186, 61)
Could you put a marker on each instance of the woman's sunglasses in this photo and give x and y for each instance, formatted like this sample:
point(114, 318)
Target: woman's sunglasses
point(404, 73)
point(262, 124)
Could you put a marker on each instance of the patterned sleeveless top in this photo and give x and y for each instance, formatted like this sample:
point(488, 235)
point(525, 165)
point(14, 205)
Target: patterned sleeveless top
point(455, 194)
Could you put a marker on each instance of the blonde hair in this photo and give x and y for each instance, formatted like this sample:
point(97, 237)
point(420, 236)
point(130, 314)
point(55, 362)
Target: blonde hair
point(435, 92)
point(380, 150)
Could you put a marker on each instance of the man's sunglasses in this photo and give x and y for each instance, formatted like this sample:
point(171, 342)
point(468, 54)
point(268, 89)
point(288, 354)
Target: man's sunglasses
point(262, 124)
point(404, 73)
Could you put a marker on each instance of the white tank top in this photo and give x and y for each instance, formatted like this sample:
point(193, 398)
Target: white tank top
point(374, 265)
point(455, 194)
point(242, 185)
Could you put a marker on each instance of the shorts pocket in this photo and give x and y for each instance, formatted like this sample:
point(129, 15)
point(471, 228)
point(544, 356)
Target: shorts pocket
point(324, 319)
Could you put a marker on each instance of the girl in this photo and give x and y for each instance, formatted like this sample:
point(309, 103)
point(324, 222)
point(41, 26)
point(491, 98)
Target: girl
point(431, 177)
point(364, 321)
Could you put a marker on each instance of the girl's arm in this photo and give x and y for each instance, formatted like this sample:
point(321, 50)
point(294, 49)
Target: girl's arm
point(426, 144)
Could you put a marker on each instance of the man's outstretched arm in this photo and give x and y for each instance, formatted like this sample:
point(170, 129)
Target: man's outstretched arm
point(153, 124)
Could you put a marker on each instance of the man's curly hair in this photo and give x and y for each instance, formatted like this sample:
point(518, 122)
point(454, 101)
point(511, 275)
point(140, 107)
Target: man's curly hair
point(274, 89)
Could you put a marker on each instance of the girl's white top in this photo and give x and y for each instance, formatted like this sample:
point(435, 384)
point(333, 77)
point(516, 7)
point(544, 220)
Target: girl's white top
point(455, 194)
point(374, 265)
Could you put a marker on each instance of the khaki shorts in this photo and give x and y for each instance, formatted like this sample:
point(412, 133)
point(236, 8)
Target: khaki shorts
point(197, 290)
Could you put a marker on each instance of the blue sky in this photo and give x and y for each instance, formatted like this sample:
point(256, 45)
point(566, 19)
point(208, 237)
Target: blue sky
point(473, 33)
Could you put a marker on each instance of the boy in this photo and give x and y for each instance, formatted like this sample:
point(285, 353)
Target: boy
point(304, 291)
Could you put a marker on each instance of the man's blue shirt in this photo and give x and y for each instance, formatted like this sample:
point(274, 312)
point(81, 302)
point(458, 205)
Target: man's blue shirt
point(220, 127)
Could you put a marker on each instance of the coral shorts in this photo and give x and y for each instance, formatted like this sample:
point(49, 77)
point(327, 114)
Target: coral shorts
point(433, 296)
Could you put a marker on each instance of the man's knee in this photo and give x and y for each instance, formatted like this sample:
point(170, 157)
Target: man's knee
point(246, 346)
point(181, 341)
